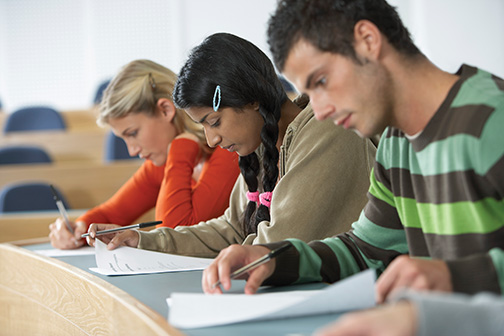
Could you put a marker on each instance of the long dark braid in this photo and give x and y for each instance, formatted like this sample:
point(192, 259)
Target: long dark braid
point(246, 76)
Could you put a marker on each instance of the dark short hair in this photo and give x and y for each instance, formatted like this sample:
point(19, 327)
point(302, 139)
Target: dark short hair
point(329, 26)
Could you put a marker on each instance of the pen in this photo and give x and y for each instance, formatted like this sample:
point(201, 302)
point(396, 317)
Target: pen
point(61, 208)
point(133, 226)
point(264, 259)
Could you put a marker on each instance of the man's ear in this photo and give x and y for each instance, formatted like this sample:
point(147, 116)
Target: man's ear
point(167, 108)
point(368, 40)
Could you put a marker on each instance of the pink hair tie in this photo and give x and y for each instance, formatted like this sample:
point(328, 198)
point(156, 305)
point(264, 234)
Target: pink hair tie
point(265, 198)
point(253, 196)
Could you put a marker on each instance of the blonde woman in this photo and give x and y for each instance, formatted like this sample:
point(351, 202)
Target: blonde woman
point(182, 177)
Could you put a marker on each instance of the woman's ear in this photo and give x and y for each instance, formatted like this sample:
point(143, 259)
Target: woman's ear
point(167, 108)
point(255, 106)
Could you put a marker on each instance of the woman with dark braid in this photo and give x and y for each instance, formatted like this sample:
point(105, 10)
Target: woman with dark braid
point(299, 177)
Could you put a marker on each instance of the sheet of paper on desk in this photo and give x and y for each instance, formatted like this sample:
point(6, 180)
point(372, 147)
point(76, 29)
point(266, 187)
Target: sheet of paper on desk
point(127, 261)
point(85, 250)
point(191, 310)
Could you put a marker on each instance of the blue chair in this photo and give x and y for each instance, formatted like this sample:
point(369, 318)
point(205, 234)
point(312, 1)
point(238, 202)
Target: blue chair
point(29, 196)
point(116, 149)
point(288, 87)
point(99, 92)
point(23, 154)
point(34, 119)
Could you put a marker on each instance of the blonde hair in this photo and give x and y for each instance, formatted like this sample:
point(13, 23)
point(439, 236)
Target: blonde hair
point(136, 89)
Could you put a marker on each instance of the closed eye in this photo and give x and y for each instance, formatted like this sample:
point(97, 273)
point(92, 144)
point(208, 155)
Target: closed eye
point(216, 123)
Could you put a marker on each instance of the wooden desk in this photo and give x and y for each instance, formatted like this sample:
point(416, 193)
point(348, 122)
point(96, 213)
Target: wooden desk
point(65, 298)
point(29, 225)
point(84, 145)
point(84, 185)
point(79, 120)
point(45, 296)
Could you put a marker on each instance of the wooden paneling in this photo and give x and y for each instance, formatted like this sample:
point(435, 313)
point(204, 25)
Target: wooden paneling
point(44, 296)
point(29, 225)
point(83, 185)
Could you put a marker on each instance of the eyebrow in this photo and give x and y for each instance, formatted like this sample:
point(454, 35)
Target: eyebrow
point(309, 80)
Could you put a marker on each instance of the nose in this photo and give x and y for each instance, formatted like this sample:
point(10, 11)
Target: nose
point(213, 139)
point(321, 109)
point(133, 149)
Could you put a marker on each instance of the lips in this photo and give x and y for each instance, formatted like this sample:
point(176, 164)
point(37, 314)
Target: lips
point(229, 148)
point(345, 122)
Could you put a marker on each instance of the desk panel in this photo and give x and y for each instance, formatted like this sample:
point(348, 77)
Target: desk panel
point(83, 185)
point(83, 145)
point(28, 225)
point(40, 295)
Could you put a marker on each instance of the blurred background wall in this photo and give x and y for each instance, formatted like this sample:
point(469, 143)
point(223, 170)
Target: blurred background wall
point(56, 52)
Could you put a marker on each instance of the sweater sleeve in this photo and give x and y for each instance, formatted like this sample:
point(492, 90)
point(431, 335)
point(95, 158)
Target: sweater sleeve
point(457, 314)
point(204, 239)
point(180, 202)
point(369, 244)
point(133, 199)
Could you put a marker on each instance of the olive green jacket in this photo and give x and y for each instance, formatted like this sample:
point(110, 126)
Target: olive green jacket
point(324, 177)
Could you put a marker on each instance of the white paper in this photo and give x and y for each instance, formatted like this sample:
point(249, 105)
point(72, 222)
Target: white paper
point(192, 310)
point(85, 250)
point(128, 260)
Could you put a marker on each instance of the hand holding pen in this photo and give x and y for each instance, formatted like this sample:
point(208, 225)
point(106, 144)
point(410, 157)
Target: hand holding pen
point(257, 267)
point(115, 235)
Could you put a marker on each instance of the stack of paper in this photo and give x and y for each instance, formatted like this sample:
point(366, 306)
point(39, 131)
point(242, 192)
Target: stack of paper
point(189, 310)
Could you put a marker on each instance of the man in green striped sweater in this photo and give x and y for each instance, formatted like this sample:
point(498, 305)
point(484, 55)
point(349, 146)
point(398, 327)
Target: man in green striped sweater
point(435, 215)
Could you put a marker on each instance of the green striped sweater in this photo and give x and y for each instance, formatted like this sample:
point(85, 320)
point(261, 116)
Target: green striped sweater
point(438, 195)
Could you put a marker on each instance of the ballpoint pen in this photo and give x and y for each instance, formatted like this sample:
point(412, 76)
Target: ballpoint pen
point(133, 226)
point(61, 208)
point(264, 259)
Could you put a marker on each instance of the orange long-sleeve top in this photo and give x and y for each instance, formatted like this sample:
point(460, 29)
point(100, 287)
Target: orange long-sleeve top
point(178, 198)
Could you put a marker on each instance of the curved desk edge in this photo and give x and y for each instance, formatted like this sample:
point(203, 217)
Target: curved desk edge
point(45, 295)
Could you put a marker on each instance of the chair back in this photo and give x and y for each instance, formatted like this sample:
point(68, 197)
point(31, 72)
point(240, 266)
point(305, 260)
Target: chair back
point(34, 119)
point(116, 149)
point(99, 92)
point(23, 154)
point(29, 196)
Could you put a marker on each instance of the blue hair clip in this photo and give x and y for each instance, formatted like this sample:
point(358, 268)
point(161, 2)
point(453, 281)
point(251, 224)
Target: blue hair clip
point(216, 98)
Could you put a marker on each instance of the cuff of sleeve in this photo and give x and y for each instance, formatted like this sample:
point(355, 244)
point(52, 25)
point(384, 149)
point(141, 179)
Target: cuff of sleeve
point(150, 240)
point(474, 274)
point(445, 314)
point(285, 264)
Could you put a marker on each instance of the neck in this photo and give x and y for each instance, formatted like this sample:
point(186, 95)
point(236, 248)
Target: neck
point(419, 89)
point(289, 112)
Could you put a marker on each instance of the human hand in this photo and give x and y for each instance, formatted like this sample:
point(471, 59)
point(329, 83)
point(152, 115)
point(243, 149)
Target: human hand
point(399, 319)
point(231, 259)
point(63, 239)
point(113, 239)
point(419, 274)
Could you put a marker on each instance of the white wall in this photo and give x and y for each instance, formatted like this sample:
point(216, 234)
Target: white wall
point(56, 52)
point(452, 32)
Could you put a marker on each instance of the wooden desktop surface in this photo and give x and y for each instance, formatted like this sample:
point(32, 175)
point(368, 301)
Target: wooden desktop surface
point(60, 296)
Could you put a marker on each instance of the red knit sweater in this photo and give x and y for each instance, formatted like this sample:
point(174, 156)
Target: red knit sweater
point(179, 200)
